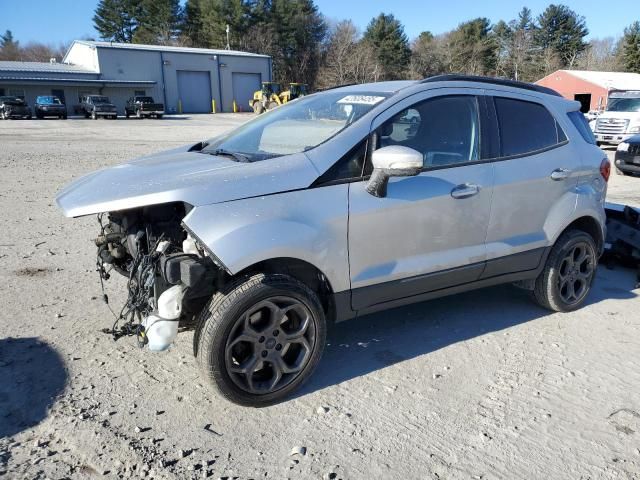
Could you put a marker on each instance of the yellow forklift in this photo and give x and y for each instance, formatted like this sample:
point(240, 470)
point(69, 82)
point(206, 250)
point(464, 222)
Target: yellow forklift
point(270, 96)
point(296, 90)
point(266, 98)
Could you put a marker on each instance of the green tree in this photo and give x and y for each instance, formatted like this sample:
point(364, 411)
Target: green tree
point(158, 22)
point(205, 22)
point(472, 48)
point(298, 29)
point(117, 20)
point(630, 50)
point(561, 32)
point(390, 44)
point(9, 48)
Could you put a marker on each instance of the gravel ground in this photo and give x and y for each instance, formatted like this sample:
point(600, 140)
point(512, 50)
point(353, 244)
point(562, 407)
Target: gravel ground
point(483, 385)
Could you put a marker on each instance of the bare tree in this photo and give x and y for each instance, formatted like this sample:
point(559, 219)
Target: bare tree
point(600, 55)
point(346, 58)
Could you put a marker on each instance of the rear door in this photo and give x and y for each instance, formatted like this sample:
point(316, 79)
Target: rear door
point(428, 233)
point(536, 173)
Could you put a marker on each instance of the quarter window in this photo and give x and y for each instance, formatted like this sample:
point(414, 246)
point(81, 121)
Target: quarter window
point(446, 130)
point(526, 127)
point(578, 120)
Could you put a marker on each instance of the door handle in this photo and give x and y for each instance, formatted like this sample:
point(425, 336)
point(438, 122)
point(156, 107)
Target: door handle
point(465, 190)
point(560, 174)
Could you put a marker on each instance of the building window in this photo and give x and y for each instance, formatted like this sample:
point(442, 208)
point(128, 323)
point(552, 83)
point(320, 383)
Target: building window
point(16, 92)
point(139, 93)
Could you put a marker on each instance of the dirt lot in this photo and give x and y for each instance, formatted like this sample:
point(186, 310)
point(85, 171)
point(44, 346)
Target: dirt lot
point(483, 385)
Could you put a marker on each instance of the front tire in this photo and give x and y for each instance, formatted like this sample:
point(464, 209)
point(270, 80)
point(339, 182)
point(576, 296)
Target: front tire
point(566, 280)
point(93, 115)
point(260, 338)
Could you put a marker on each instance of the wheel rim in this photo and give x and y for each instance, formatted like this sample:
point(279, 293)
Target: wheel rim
point(270, 345)
point(576, 272)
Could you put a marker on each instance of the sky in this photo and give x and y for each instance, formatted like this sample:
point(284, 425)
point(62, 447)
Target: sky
point(60, 21)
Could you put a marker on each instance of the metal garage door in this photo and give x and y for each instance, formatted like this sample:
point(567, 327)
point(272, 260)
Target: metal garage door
point(194, 91)
point(244, 84)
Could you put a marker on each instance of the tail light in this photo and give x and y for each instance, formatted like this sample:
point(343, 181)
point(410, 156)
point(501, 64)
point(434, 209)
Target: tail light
point(605, 169)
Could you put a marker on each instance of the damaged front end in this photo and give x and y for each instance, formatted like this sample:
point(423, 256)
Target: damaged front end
point(170, 276)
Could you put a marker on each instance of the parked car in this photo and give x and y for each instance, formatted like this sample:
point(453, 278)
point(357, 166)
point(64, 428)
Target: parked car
point(94, 106)
point(49, 106)
point(14, 107)
point(627, 159)
point(260, 238)
point(142, 106)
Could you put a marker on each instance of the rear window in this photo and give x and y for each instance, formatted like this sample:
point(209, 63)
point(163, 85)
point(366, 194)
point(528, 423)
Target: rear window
point(582, 125)
point(526, 127)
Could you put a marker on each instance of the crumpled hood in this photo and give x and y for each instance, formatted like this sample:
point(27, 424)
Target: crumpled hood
point(179, 175)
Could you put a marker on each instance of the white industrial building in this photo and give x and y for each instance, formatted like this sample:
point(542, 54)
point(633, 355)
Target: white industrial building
point(188, 80)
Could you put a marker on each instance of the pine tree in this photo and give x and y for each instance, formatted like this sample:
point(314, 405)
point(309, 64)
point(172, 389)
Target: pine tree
point(9, 48)
point(561, 32)
point(158, 22)
point(205, 22)
point(117, 20)
point(191, 25)
point(298, 28)
point(389, 42)
point(631, 48)
point(473, 47)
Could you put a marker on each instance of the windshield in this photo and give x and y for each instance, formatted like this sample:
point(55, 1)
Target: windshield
point(144, 99)
point(12, 100)
point(49, 100)
point(623, 105)
point(297, 126)
point(100, 99)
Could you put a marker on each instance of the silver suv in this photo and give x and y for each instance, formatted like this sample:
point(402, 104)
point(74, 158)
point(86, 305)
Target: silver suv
point(342, 203)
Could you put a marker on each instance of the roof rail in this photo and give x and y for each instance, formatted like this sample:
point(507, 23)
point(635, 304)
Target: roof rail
point(495, 81)
point(336, 86)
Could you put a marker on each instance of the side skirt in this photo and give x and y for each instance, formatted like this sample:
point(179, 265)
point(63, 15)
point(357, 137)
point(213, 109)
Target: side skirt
point(535, 258)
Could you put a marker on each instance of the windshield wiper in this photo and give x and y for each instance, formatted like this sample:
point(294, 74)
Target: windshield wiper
point(227, 153)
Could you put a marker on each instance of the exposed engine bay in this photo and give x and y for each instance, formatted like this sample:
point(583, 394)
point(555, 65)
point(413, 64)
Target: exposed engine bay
point(170, 276)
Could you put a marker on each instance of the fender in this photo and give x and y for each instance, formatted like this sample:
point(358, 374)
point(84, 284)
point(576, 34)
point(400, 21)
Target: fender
point(309, 225)
point(587, 201)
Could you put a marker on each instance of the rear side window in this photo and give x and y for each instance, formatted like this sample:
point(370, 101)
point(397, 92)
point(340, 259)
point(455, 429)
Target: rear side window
point(525, 127)
point(578, 120)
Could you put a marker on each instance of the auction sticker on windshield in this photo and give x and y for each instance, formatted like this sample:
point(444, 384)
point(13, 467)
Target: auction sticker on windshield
point(361, 99)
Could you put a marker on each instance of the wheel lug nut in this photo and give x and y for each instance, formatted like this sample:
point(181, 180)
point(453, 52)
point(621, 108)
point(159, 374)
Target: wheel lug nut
point(278, 347)
point(264, 353)
point(276, 333)
point(261, 340)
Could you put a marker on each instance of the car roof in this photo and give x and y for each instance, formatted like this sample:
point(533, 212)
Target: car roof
point(382, 87)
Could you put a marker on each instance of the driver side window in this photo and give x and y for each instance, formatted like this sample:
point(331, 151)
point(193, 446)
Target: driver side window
point(445, 130)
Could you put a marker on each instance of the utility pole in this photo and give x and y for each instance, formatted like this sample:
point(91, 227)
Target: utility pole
point(228, 46)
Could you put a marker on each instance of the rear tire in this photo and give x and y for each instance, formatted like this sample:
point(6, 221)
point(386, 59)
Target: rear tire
point(566, 280)
point(260, 338)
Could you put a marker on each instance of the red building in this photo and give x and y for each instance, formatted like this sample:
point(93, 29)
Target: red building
point(591, 89)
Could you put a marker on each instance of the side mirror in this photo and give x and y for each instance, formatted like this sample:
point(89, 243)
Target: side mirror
point(393, 161)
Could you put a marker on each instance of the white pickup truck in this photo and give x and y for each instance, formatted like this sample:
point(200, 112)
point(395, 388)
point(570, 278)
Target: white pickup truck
point(620, 120)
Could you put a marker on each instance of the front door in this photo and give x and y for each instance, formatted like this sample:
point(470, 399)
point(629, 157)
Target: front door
point(429, 232)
